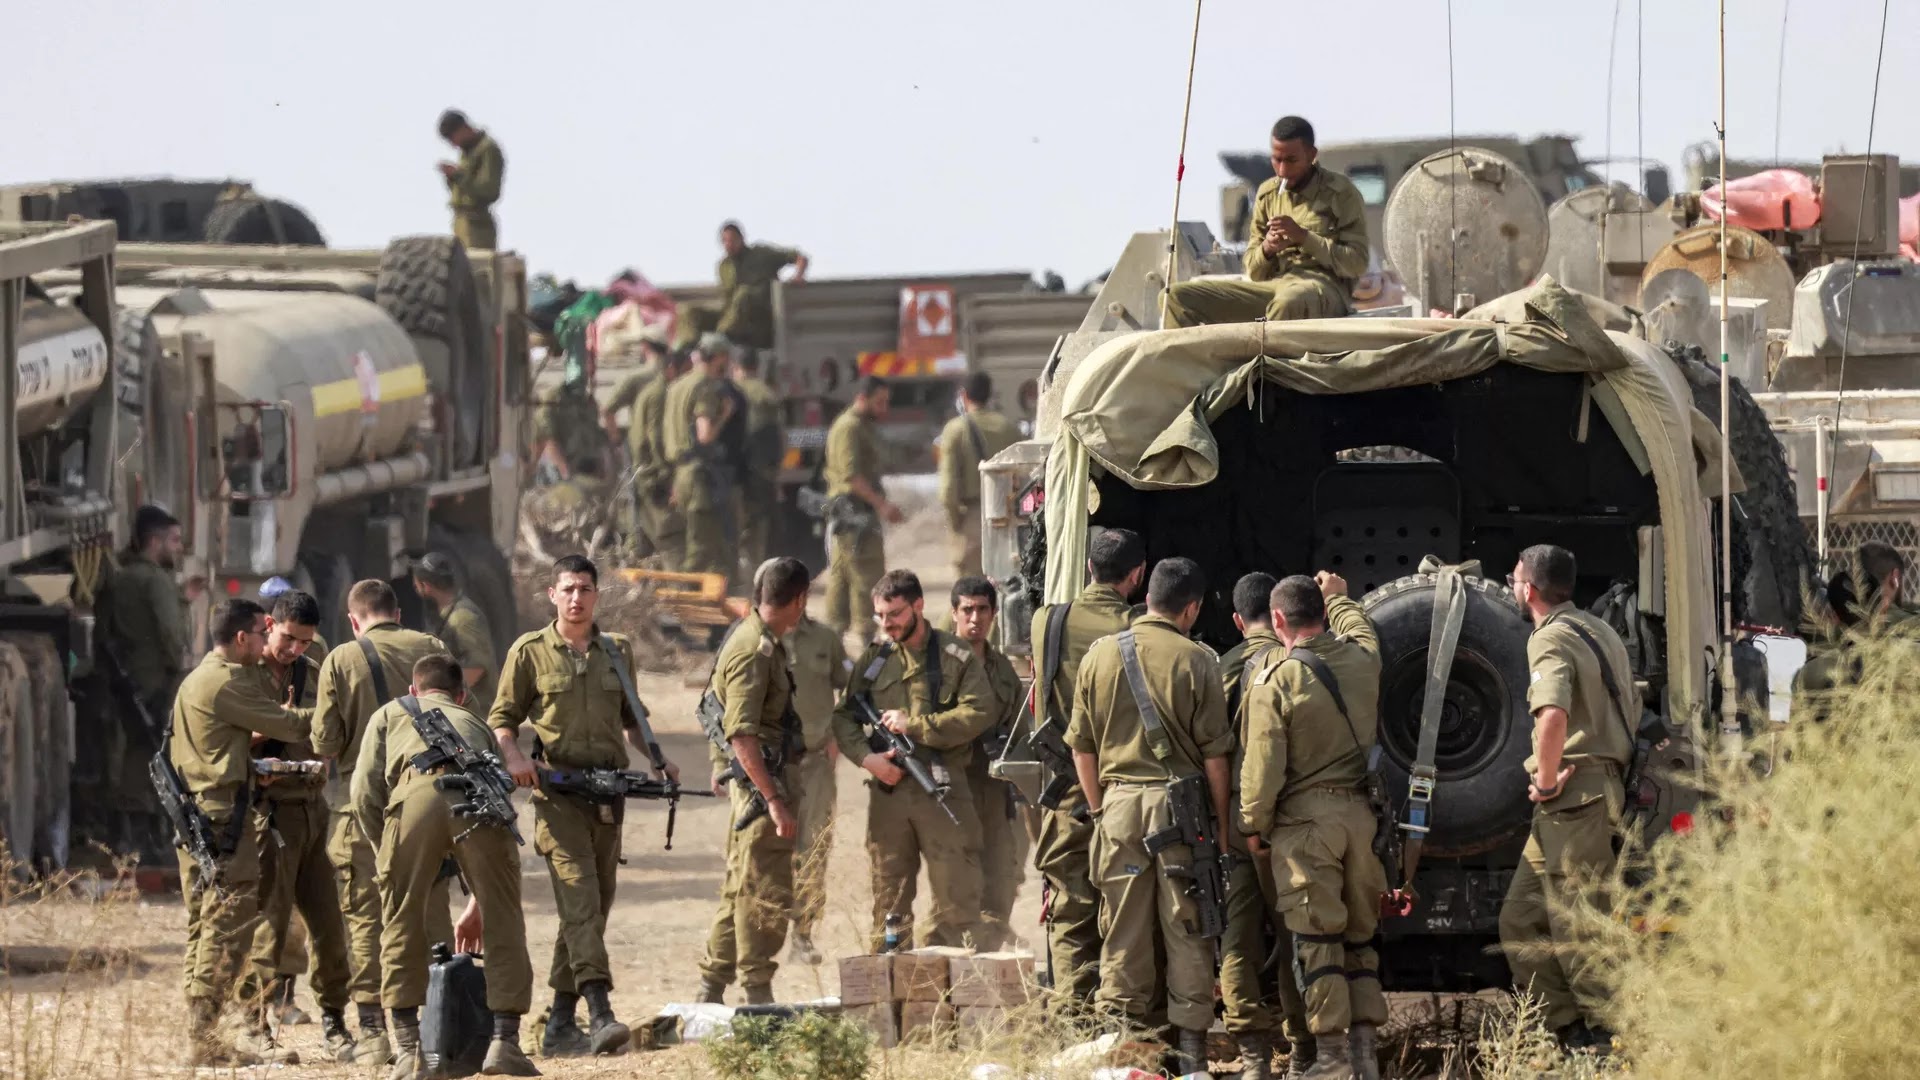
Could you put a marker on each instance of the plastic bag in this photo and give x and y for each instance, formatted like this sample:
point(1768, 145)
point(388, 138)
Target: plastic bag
point(1774, 199)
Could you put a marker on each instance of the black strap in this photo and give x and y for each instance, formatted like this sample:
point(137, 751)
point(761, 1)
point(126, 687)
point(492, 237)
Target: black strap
point(1314, 976)
point(634, 706)
point(1322, 939)
point(1051, 652)
point(973, 435)
point(1322, 672)
point(411, 704)
point(1156, 732)
point(1606, 677)
point(933, 669)
point(299, 679)
point(1247, 665)
point(379, 671)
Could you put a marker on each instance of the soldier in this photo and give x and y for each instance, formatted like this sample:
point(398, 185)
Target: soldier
point(459, 622)
point(1062, 634)
point(1305, 249)
point(653, 360)
point(1003, 840)
point(1148, 710)
point(1883, 571)
point(295, 871)
point(473, 185)
point(663, 522)
point(765, 444)
point(857, 555)
point(222, 704)
point(746, 276)
point(700, 411)
point(413, 827)
point(977, 434)
point(753, 685)
point(1582, 694)
point(821, 669)
point(355, 681)
point(1311, 716)
point(930, 688)
point(572, 684)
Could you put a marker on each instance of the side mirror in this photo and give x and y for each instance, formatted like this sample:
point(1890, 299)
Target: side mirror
point(255, 451)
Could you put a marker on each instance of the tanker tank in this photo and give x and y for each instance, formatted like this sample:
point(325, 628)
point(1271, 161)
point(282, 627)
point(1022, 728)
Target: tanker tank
point(62, 360)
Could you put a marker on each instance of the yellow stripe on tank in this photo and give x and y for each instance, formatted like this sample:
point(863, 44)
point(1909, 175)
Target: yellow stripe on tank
point(343, 395)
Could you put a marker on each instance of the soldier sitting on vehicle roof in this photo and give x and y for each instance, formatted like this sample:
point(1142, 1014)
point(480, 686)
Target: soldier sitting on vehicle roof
point(1306, 248)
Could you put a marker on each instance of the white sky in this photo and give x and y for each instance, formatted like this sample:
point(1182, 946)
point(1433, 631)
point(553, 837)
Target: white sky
point(880, 137)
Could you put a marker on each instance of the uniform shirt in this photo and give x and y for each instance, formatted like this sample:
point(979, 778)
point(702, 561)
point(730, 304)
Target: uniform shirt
point(1258, 643)
point(148, 620)
point(386, 755)
point(1005, 696)
point(820, 670)
point(691, 395)
point(464, 628)
point(215, 715)
point(949, 725)
point(475, 186)
point(1330, 208)
point(757, 266)
point(1099, 610)
point(573, 701)
point(306, 668)
point(646, 437)
point(960, 463)
point(853, 449)
point(1564, 673)
point(766, 442)
point(1297, 738)
point(347, 697)
point(752, 679)
point(1183, 680)
point(628, 390)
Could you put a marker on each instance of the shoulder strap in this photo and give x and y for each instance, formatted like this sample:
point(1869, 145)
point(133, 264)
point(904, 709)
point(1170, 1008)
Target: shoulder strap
point(377, 669)
point(879, 661)
point(1051, 653)
point(411, 704)
point(639, 711)
point(1137, 682)
point(933, 669)
point(1606, 676)
point(298, 681)
point(1324, 674)
point(973, 436)
point(1247, 663)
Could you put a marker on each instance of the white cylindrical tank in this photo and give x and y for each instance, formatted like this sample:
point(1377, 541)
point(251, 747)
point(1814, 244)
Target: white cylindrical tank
point(61, 362)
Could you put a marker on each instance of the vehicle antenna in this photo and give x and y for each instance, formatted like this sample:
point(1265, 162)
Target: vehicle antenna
point(1729, 682)
point(1453, 189)
point(1180, 172)
point(1780, 80)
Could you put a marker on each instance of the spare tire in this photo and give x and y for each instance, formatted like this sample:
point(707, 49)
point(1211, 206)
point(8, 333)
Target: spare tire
point(1480, 802)
point(250, 219)
point(426, 285)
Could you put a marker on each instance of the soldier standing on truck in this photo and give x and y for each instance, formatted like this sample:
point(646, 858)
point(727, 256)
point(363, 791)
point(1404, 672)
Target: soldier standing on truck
point(929, 687)
point(856, 504)
point(701, 412)
point(974, 436)
point(1311, 718)
point(473, 184)
point(1305, 249)
point(1003, 838)
point(765, 444)
point(1582, 695)
point(746, 275)
point(821, 669)
point(355, 681)
point(459, 622)
point(222, 704)
point(1061, 636)
point(571, 683)
point(663, 522)
point(653, 355)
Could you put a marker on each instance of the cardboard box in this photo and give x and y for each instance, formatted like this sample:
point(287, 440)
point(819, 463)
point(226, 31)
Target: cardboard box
point(926, 1022)
point(866, 980)
point(923, 974)
point(999, 979)
point(882, 1019)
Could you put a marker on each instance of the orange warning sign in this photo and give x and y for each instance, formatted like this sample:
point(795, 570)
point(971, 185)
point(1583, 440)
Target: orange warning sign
point(929, 322)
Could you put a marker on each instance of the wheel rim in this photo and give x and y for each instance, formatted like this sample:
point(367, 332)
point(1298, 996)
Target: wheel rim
point(1473, 717)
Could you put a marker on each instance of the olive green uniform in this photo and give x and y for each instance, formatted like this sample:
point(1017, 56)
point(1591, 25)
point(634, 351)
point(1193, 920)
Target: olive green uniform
point(821, 670)
point(1302, 788)
point(857, 556)
point(1003, 836)
point(347, 699)
point(766, 445)
point(1310, 280)
point(464, 627)
point(1571, 840)
point(966, 441)
point(701, 489)
point(906, 825)
point(1146, 911)
point(572, 421)
point(754, 684)
point(578, 713)
point(145, 616)
point(473, 189)
point(653, 475)
point(1061, 852)
point(413, 827)
point(745, 314)
point(218, 710)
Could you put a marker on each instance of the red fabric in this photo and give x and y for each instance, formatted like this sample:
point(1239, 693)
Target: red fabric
point(1774, 199)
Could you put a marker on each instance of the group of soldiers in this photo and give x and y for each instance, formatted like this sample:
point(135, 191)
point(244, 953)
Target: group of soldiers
point(1277, 735)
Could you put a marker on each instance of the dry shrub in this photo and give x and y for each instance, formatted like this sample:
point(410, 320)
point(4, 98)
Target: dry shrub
point(57, 956)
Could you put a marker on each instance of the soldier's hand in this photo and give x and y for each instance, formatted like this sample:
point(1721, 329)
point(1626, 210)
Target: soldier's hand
point(1291, 232)
point(882, 768)
point(194, 587)
point(785, 825)
point(892, 513)
point(1536, 793)
point(522, 769)
point(673, 772)
point(719, 786)
point(1331, 584)
point(448, 168)
point(894, 720)
point(468, 929)
point(1255, 845)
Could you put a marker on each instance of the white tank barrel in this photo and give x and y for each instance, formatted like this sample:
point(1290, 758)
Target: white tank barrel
point(61, 362)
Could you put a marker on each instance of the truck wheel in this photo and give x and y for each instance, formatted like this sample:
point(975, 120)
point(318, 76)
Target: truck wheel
point(254, 220)
point(426, 285)
point(1480, 802)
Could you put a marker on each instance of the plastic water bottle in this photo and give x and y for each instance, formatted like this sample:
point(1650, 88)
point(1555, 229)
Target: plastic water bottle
point(890, 942)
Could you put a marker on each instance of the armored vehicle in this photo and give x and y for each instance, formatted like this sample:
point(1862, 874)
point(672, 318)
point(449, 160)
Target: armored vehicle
point(165, 210)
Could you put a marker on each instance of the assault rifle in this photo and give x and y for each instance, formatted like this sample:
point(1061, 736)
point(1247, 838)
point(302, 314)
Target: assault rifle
point(486, 788)
point(882, 741)
point(1192, 825)
point(609, 785)
point(192, 829)
point(711, 714)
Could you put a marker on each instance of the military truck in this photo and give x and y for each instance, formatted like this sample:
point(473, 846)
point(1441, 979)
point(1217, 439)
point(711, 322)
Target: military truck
point(166, 210)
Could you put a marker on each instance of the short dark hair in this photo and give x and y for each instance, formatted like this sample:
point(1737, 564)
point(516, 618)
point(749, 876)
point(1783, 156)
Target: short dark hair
point(233, 617)
point(1251, 596)
point(781, 580)
point(978, 388)
point(733, 227)
point(1551, 570)
point(148, 522)
point(749, 361)
point(975, 586)
point(899, 585)
point(438, 671)
point(871, 385)
point(1175, 583)
point(436, 569)
point(372, 597)
point(1290, 128)
point(1114, 554)
point(451, 121)
point(298, 607)
point(681, 358)
point(575, 564)
point(1298, 600)
point(1878, 560)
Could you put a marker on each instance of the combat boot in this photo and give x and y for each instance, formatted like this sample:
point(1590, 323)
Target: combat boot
point(263, 1050)
point(1191, 1052)
point(209, 1045)
point(1363, 1044)
point(373, 1047)
point(604, 1034)
point(1331, 1058)
point(1300, 1057)
point(333, 1035)
point(1256, 1056)
point(408, 1062)
point(504, 1056)
point(285, 1012)
point(711, 992)
point(801, 951)
point(562, 1037)
point(759, 995)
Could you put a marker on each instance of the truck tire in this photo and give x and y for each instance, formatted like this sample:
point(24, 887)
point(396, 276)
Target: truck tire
point(1772, 561)
point(1480, 803)
point(18, 752)
point(135, 352)
point(426, 285)
point(254, 220)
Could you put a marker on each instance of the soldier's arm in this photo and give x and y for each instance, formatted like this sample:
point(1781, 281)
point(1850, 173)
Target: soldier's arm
point(840, 667)
point(1264, 770)
point(1079, 726)
point(367, 792)
point(1550, 661)
point(510, 707)
point(170, 616)
point(1213, 734)
point(950, 465)
point(625, 394)
point(1342, 250)
point(1349, 621)
point(1259, 265)
point(970, 715)
point(475, 639)
point(847, 728)
point(328, 728)
point(246, 703)
point(481, 183)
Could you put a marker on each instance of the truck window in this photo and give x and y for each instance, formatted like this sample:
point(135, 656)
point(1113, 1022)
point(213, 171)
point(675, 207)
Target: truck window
point(1372, 182)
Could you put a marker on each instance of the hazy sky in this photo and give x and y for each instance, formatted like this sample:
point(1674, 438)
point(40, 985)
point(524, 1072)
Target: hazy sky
point(880, 137)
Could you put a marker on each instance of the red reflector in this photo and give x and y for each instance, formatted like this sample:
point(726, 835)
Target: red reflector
point(1682, 823)
point(233, 586)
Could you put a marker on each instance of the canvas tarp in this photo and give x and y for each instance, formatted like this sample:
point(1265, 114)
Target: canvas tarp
point(1140, 407)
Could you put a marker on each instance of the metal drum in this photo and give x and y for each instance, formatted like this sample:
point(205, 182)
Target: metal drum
point(1465, 224)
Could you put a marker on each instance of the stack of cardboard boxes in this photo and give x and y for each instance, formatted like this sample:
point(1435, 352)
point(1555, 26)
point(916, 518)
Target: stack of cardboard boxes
point(930, 995)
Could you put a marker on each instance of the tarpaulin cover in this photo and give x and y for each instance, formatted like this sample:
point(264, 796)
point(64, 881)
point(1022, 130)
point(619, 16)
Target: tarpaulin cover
point(1773, 199)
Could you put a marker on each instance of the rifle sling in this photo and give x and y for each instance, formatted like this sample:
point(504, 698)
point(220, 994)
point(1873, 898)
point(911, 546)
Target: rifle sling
point(638, 710)
point(377, 671)
point(1606, 678)
point(1324, 674)
point(1051, 656)
point(1157, 739)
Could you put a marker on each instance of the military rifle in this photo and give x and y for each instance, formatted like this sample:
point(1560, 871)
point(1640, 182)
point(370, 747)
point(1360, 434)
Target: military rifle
point(486, 788)
point(1206, 876)
point(900, 747)
point(607, 785)
point(192, 829)
point(711, 714)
